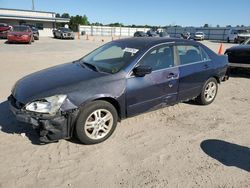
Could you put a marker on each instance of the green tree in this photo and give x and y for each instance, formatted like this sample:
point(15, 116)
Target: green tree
point(206, 25)
point(78, 20)
point(116, 24)
point(58, 15)
point(65, 15)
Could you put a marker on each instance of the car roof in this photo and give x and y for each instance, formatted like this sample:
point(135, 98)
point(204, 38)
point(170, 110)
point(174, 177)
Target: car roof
point(144, 42)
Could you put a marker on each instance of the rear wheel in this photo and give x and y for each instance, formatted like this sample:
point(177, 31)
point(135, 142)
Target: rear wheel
point(209, 92)
point(96, 122)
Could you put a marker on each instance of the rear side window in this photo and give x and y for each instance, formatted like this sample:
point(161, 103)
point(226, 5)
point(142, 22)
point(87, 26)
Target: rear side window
point(189, 54)
point(160, 57)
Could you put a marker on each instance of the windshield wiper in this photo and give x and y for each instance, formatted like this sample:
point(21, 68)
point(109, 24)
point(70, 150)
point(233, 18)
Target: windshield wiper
point(92, 67)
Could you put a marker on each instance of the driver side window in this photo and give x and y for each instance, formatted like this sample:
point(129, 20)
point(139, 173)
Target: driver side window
point(158, 58)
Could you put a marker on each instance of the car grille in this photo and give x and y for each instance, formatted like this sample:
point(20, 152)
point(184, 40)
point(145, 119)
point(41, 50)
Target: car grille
point(15, 103)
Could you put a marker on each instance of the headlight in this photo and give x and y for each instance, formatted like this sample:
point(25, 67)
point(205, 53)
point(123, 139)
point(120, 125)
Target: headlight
point(49, 105)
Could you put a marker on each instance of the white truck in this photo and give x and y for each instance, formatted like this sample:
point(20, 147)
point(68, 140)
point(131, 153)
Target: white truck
point(238, 35)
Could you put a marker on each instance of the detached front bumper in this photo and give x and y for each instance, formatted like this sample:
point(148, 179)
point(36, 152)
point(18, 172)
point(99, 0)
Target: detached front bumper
point(49, 128)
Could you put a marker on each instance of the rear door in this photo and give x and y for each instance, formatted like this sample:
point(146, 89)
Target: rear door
point(158, 88)
point(195, 68)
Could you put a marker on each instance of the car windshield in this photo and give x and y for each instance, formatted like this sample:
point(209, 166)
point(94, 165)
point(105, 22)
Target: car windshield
point(110, 58)
point(65, 29)
point(20, 29)
point(199, 33)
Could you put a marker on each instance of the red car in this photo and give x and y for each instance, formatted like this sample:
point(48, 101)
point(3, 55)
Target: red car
point(20, 34)
point(4, 29)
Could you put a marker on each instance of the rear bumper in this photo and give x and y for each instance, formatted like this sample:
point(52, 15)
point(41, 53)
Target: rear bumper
point(49, 128)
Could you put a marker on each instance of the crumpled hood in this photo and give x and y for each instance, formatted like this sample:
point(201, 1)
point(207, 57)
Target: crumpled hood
point(52, 81)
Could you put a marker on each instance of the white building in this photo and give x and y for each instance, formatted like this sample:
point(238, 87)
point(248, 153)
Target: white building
point(44, 21)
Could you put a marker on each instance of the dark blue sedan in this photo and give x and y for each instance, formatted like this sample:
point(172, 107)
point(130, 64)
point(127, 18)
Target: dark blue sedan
point(120, 79)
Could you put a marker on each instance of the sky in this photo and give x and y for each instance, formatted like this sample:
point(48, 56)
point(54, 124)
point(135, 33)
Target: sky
point(142, 12)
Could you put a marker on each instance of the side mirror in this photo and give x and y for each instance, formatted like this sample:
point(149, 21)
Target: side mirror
point(142, 70)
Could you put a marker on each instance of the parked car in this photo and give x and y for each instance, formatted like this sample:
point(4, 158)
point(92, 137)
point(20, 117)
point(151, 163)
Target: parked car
point(120, 79)
point(164, 34)
point(238, 35)
point(140, 34)
point(186, 35)
point(20, 34)
point(63, 33)
point(4, 29)
point(34, 30)
point(151, 33)
point(239, 56)
point(199, 36)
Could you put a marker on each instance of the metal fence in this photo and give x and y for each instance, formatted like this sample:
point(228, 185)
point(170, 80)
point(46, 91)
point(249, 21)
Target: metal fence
point(211, 33)
point(110, 31)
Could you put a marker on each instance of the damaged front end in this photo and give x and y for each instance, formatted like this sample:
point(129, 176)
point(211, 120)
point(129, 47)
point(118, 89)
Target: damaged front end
point(53, 126)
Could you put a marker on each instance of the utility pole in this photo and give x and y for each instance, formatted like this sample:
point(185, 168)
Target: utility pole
point(33, 5)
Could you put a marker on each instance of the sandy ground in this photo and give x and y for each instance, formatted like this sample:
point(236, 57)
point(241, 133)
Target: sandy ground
point(181, 146)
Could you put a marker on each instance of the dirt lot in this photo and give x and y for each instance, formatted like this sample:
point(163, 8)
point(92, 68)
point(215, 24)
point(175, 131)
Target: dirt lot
point(181, 146)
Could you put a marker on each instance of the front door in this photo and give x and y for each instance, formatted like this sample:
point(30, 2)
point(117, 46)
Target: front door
point(156, 89)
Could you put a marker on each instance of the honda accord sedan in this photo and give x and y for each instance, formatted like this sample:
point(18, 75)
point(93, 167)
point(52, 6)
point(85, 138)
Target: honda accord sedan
point(87, 97)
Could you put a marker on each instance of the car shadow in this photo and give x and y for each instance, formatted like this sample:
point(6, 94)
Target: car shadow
point(10, 125)
point(227, 153)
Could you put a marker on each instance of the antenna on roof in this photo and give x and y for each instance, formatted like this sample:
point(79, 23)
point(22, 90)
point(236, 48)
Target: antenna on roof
point(33, 5)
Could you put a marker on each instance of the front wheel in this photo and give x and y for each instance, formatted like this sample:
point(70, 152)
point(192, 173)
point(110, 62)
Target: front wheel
point(96, 122)
point(209, 92)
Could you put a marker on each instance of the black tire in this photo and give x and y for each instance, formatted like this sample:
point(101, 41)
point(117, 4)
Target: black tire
point(201, 99)
point(85, 113)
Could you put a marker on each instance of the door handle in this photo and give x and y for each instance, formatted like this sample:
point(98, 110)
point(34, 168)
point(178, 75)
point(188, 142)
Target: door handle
point(172, 75)
point(206, 66)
